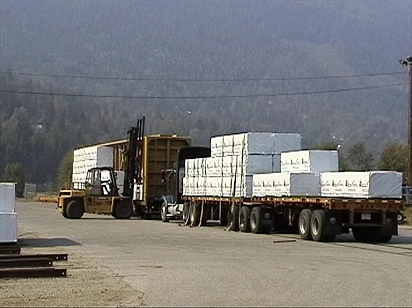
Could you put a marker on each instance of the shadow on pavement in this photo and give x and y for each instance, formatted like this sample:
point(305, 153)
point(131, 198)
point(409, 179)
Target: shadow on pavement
point(46, 242)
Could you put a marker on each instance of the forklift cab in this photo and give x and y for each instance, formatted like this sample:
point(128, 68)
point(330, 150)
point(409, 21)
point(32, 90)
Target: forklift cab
point(101, 181)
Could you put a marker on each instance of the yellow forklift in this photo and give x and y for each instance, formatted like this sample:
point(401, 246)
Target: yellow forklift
point(100, 193)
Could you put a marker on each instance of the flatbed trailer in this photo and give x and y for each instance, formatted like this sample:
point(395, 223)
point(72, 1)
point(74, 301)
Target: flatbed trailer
point(317, 218)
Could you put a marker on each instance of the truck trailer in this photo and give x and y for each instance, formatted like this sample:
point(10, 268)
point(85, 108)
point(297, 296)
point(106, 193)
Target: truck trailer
point(319, 205)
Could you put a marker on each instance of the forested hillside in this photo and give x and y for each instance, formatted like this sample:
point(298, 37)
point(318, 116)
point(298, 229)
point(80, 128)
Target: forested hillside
point(86, 70)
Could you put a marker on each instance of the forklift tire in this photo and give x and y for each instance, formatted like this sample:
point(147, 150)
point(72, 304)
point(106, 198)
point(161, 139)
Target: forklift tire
point(163, 212)
point(123, 210)
point(74, 210)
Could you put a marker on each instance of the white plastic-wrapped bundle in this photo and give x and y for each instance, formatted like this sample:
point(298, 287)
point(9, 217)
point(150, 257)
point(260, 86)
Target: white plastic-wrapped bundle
point(315, 161)
point(251, 164)
point(286, 184)
point(371, 184)
point(8, 227)
point(265, 143)
point(7, 197)
point(254, 143)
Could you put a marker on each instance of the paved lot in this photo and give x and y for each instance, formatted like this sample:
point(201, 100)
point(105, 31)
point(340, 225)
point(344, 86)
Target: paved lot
point(170, 265)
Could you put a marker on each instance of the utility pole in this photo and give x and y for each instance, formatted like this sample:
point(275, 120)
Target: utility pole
point(408, 63)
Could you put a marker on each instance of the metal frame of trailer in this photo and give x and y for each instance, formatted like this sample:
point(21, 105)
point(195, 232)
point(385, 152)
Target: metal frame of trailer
point(372, 220)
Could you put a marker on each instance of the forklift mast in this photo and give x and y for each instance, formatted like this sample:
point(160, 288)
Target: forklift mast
point(133, 172)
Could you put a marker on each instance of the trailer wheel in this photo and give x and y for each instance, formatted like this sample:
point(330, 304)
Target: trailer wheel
point(255, 220)
point(206, 214)
point(370, 235)
point(385, 238)
point(224, 217)
point(123, 210)
point(244, 219)
point(194, 214)
point(317, 226)
point(74, 210)
point(233, 218)
point(304, 224)
point(186, 216)
point(163, 212)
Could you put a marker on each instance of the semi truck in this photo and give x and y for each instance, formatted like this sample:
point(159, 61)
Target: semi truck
point(157, 169)
point(371, 218)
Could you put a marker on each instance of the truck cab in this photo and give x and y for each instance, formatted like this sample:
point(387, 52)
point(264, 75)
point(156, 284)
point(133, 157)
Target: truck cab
point(171, 203)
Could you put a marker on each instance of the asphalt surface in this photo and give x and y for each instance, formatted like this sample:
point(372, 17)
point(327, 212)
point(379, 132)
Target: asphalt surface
point(208, 266)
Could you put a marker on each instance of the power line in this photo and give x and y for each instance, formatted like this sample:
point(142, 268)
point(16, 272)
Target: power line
point(199, 80)
point(383, 119)
point(201, 97)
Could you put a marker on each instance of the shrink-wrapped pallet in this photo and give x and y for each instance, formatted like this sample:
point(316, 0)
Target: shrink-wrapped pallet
point(236, 186)
point(371, 184)
point(254, 143)
point(7, 197)
point(276, 163)
point(313, 161)
point(286, 184)
point(265, 143)
point(8, 227)
point(251, 164)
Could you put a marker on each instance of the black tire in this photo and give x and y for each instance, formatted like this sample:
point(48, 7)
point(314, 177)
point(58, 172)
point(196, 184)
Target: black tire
point(233, 218)
point(244, 219)
point(74, 210)
point(186, 214)
point(384, 238)
point(194, 214)
point(63, 212)
point(370, 235)
point(304, 224)
point(123, 210)
point(255, 226)
point(163, 212)
point(400, 218)
point(224, 217)
point(206, 214)
point(317, 226)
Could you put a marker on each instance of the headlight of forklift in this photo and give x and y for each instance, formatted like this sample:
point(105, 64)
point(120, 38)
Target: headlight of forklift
point(267, 215)
point(388, 221)
point(332, 220)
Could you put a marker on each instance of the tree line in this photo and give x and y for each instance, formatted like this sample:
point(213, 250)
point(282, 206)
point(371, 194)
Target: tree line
point(39, 133)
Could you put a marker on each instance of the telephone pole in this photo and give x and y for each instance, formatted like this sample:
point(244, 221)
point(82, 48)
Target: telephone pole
point(408, 63)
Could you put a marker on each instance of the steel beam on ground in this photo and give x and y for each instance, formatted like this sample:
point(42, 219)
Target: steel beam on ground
point(33, 273)
point(52, 256)
point(26, 262)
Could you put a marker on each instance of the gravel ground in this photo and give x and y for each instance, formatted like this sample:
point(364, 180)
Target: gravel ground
point(88, 284)
point(138, 262)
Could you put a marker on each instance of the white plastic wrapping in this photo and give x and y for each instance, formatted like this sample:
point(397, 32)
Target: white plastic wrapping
point(254, 143)
point(315, 161)
point(372, 184)
point(87, 158)
point(286, 184)
point(8, 227)
point(7, 197)
point(276, 163)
